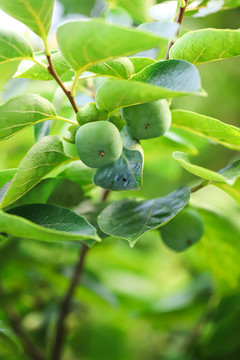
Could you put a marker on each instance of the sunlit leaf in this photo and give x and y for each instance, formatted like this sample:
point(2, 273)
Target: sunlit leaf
point(207, 127)
point(24, 111)
point(36, 14)
point(40, 160)
point(97, 41)
point(207, 45)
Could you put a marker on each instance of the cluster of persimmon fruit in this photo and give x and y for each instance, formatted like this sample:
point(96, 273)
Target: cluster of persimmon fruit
point(99, 143)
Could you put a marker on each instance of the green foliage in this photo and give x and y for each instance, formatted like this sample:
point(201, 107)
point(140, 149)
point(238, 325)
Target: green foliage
point(196, 46)
point(36, 14)
point(112, 79)
point(149, 85)
point(14, 47)
point(41, 159)
point(205, 126)
point(23, 111)
point(130, 219)
point(97, 40)
point(46, 223)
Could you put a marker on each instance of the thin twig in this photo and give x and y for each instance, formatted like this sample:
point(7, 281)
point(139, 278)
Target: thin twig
point(179, 20)
point(200, 186)
point(15, 321)
point(52, 71)
point(66, 303)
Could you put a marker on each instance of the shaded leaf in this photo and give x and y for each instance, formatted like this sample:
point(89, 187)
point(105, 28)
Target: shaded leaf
point(36, 14)
point(7, 70)
point(54, 191)
point(14, 46)
point(23, 111)
point(97, 41)
point(207, 127)
point(46, 223)
point(220, 243)
point(206, 45)
point(163, 79)
point(42, 158)
point(129, 218)
point(78, 172)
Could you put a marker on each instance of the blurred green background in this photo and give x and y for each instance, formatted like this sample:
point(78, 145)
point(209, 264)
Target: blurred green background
point(146, 303)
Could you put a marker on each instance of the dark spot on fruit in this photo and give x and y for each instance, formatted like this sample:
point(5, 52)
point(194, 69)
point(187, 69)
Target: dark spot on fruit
point(102, 153)
point(124, 180)
point(147, 127)
point(189, 242)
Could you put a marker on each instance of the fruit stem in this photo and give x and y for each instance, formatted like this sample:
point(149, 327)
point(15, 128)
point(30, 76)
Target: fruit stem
point(179, 20)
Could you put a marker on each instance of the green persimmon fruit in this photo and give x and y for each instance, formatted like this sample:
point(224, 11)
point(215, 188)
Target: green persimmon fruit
point(184, 230)
point(98, 143)
point(148, 120)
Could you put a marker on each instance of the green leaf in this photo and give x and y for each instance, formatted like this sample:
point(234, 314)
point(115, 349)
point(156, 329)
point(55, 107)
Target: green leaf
point(161, 80)
point(127, 172)
point(117, 15)
point(220, 244)
point(232, 186)
point(46, 223)
point(207, 45)
point(121, 68)
point(137, 8)
point(140, 63)
point(23, 111)
point(93, 41)
point(129, 218)
point(36, 14)
point(54, 191)
point(197, 170)
point(207, 127)
point(42, 158)
point(14, 47)
point(8, 339)
point(38, 72)
point(78, 172)
point(7, 70)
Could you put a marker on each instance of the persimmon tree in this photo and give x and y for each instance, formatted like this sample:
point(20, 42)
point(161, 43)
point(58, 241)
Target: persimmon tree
point(131, 100)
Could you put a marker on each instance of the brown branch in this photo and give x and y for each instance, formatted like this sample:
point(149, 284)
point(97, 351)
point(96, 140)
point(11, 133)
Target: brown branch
point(52, 71)
point(15, 321)
point(65, 305)
point(179, 20)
